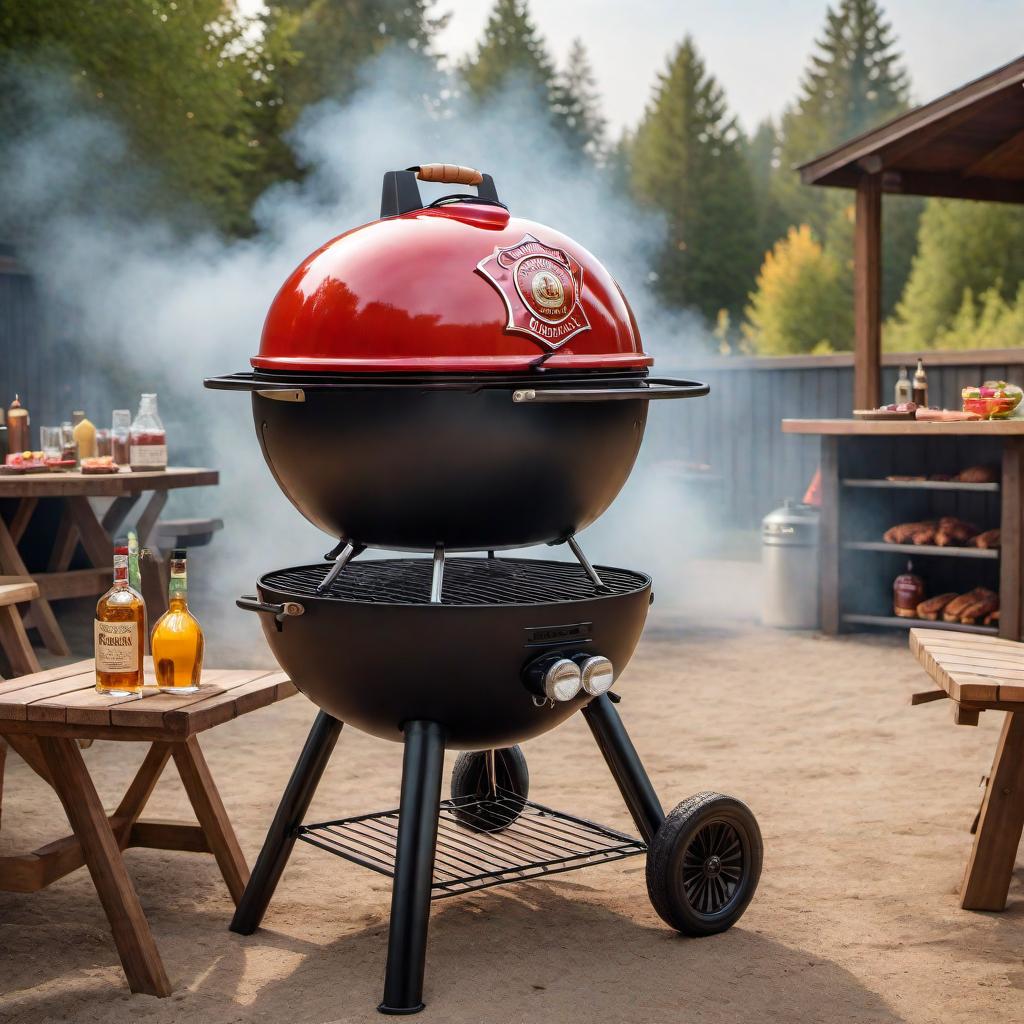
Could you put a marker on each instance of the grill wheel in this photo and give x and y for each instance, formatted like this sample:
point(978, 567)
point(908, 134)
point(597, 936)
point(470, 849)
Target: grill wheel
point(481, 810)
point(704, 863)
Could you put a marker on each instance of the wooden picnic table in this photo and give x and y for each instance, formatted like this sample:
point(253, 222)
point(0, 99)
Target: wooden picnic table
point(983, 673)
point(79, 524)
point(42, 716)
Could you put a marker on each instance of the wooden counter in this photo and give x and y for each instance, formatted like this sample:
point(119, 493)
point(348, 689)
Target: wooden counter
point(905, 428)
point(859, 504)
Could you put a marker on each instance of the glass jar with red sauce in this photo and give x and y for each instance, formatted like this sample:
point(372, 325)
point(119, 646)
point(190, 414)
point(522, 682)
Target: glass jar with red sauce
point(148, 439)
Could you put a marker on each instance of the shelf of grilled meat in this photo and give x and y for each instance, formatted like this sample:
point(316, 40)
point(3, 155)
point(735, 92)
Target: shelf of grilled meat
point(949, 551)
point(896, 622)
point(920, 485)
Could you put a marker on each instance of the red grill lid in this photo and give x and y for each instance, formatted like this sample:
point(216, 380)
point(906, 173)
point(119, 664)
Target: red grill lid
point(458, 288)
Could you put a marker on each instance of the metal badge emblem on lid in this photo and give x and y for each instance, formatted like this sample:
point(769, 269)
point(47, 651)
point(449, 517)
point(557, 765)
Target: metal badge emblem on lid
point(541, 287)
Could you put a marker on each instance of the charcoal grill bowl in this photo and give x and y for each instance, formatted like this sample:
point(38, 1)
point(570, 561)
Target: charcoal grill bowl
point(408, 469)
point(377, 665)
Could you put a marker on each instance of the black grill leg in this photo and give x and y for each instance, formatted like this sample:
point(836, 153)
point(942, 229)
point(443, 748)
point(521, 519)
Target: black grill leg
point(277, 847)
point(414, 867)
point(625, 765)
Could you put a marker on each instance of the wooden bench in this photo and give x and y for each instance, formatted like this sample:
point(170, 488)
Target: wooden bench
point(15, 590)
point(42, 716)
point(983, 673)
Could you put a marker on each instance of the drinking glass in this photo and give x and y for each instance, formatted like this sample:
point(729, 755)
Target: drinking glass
point(50, 441)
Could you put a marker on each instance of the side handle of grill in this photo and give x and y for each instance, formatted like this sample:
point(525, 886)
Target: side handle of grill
point(652, 388)
point(251, 603)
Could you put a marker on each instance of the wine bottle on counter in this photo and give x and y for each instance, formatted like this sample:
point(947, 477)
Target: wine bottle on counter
point(17, 427)
point(907, 593)
point(920, 392)
point(903, 391)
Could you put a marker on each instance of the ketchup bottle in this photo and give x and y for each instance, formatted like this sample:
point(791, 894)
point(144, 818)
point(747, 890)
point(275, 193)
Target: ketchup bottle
point(148, 439)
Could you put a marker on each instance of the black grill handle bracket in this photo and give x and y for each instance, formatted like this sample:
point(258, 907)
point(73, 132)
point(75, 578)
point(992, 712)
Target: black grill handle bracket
point(251, 603)
point(400, 193)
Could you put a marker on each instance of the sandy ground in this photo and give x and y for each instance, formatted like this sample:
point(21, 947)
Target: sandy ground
point(864, 803)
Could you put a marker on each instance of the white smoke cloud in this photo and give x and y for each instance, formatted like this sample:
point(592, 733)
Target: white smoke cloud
point(177, 304)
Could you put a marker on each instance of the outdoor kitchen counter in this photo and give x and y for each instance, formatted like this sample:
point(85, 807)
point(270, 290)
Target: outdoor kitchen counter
point(859, 503)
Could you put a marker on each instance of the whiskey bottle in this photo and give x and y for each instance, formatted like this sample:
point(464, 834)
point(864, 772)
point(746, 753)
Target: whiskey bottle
point(177, 640)
point(119, 633)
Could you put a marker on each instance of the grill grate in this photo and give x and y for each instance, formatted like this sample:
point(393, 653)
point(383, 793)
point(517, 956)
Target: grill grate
point(467, 581)
point(538, 842)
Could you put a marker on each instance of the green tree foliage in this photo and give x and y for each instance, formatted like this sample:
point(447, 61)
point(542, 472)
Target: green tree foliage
point(854, 81)
point(963, 247)
point(577, 104)
point(511, 53)
point(762, 153)
point(800, 303)
point(990, 321)
point(175, 75)
point(687, 160)
point(315, 49)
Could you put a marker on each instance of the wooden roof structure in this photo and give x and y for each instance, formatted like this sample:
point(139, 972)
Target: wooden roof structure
point(967, 144)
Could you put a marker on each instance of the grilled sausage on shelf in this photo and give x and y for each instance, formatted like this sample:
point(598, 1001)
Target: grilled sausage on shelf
point(953, 532)
point(986, 539)
point(932, 608)
point(902, 532)
point(979, 609)
point(953, 610)
point(978, 475)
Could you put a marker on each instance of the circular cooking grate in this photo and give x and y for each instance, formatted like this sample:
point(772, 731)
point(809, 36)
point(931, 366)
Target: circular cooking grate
point(467, 581)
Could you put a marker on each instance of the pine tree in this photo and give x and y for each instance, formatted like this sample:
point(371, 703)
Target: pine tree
point(962, 246)
point(762, 153)
point(855, 81)
point(576, 104)
point(800, 304)
point(315, 51)
point(511, 54)
point(687, 160)
point(174, 77)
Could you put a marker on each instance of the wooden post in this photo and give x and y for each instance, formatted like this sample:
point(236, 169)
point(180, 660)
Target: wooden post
point(829, 539)
point(1011, 555)
point(867, 293)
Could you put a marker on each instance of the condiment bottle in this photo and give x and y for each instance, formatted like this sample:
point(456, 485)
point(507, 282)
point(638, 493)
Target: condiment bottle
point(120, 431)
point(920, 385)
point(148, 438)
point(3, 438)
point(84, 434)
point(17, 427)
point(903, 390)
point(907, 593)
point(69, 450)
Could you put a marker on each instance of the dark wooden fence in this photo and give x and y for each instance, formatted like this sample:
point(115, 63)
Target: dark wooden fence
point(735, 430)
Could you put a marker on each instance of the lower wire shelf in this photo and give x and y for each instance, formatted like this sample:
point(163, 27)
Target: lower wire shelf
point(481, 843)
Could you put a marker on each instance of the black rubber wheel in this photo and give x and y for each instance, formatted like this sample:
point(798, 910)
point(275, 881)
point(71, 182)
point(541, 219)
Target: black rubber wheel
point(475, 806)
point(704, 863)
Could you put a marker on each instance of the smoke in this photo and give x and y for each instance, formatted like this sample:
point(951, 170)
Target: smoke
point(174, 302)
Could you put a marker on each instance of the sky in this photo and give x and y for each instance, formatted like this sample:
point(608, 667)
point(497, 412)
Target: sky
point(756, 49)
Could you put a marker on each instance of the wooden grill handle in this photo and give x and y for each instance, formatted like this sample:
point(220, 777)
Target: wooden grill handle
point(449, 174)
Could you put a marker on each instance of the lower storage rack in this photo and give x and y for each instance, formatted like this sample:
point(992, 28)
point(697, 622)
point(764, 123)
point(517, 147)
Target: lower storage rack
point(496, 840)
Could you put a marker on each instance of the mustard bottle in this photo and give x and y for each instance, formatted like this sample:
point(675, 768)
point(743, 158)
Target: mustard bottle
point(85, 435)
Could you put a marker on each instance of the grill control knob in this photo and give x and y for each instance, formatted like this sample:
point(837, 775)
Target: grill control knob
point(596, 673)
point(554, 677)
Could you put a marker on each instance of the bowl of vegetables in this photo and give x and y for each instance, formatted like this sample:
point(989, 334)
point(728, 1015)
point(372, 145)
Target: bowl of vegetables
point(993, 400)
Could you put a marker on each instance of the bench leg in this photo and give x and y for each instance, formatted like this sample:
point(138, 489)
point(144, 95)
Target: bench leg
point(990, 866)
point(3, 759)
point(132, 936)
point(210, 812)
point(15, 643)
